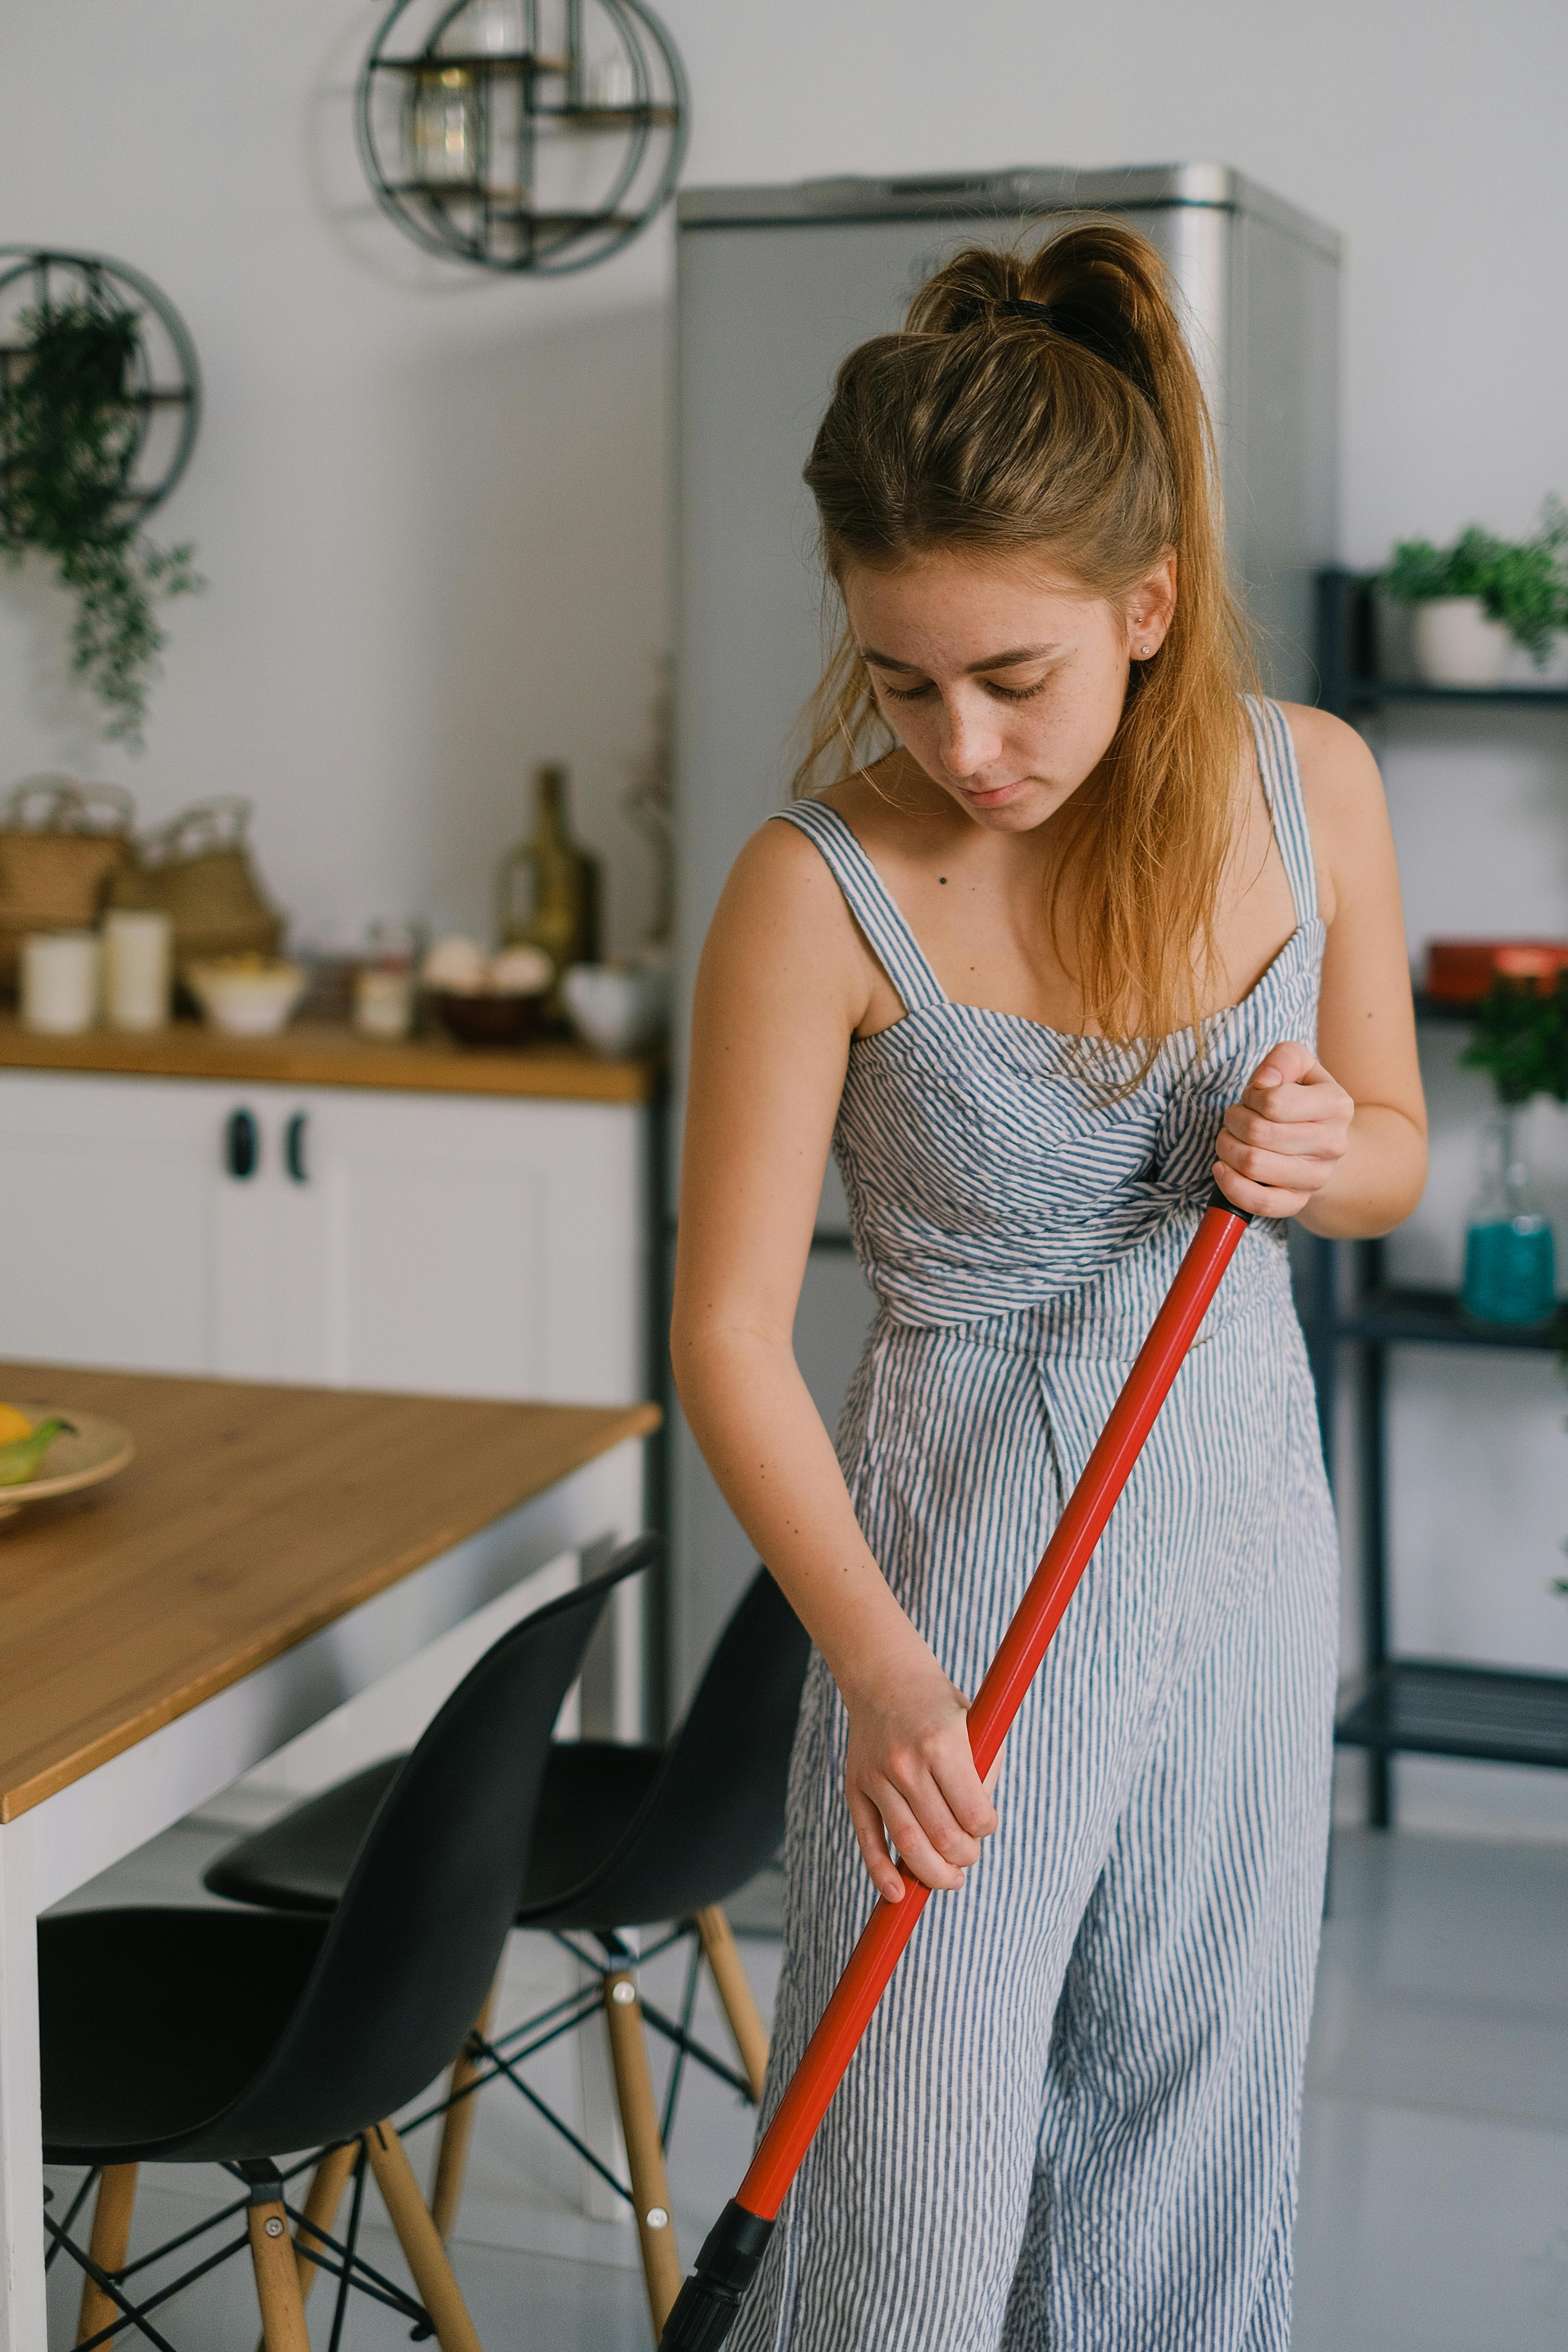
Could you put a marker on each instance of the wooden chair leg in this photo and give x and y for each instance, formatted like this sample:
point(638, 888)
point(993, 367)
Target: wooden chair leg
point(277, 2279)
point(330, 2177)
point(423, 2250)
point(457, 2127)
point(734, 1990)
point(645, 2150)
point(110, 2235)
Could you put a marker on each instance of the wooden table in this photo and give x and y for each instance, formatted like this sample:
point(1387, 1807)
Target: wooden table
point(270, 1553)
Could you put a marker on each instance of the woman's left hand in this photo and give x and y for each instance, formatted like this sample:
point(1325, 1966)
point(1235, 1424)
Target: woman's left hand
point(1283, 1140)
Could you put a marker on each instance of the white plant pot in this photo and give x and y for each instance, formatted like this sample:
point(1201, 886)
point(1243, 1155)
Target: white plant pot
point(1456, 645)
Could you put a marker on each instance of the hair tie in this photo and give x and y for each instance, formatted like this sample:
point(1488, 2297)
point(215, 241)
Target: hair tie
point(1078, 324)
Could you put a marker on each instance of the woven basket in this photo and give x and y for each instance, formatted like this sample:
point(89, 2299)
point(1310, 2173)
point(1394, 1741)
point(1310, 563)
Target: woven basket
point(61, 843)
point(197, 871)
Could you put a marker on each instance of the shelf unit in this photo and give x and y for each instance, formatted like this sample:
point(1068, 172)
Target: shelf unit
point(1401, 1705)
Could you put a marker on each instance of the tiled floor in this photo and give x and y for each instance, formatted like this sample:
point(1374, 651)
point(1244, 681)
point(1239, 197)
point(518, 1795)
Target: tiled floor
point(1435, 2189)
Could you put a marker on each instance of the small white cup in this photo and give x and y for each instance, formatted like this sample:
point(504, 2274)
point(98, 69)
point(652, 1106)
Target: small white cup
point(60, 982)
point(616, 1009)
point(138, 968)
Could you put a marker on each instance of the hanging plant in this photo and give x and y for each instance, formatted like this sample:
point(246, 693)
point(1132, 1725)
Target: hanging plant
point(71, 431)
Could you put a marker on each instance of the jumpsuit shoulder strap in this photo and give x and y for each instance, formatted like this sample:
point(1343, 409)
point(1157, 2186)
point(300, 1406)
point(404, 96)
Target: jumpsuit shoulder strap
point(871, 901)
point(1281, 777)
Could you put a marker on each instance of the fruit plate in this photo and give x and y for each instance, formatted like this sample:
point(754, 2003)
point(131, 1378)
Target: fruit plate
point(92, 1448)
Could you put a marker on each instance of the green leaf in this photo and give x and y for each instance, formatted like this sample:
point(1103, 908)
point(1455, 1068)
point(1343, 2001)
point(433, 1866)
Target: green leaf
point(1521, 1036)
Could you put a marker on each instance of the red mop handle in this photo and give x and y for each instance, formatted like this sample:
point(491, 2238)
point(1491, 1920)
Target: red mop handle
point(710, 2301)
point(1013, 1669)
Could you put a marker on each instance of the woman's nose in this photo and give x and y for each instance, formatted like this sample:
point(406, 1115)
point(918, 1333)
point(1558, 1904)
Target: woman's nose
point(972, 741)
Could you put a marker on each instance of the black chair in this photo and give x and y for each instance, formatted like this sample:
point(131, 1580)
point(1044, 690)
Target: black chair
point(203, 2036)
point(624, 1836)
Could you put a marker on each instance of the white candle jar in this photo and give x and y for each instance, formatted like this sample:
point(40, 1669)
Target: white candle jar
point(59, 982)
point(138, 968)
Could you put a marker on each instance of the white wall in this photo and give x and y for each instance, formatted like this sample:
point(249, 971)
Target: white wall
point(432, 506)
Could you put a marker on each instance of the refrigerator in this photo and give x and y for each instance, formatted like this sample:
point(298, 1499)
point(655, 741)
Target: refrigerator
point(775, 285)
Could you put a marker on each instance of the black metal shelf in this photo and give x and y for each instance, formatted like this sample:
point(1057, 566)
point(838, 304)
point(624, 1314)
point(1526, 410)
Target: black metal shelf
point(1396, 1315)
point(1402, 1705)
point(1438, 1706)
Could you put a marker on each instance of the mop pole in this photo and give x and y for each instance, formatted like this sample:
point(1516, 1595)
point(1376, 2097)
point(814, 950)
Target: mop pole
point(709, 2302)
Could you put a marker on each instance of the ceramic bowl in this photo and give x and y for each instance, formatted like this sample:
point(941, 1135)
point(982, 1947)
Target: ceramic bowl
point(483, 1019)
point(615, 1008)
point(245, 999)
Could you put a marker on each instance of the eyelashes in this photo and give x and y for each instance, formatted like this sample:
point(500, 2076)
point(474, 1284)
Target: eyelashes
point(1004, 693)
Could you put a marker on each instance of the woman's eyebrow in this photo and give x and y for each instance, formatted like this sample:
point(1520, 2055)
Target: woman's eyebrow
point(1012, 660)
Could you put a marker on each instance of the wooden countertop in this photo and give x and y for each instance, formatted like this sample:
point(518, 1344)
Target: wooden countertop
point(251, 1517)
point(321, 1054)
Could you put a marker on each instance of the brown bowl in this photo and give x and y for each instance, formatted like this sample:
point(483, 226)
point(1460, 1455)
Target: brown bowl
point(488, 1020)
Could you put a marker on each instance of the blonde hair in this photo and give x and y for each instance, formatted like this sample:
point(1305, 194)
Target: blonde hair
point(1085, 434)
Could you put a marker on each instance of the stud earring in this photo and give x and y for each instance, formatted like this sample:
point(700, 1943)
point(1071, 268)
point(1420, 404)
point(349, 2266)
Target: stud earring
point(1143, 653)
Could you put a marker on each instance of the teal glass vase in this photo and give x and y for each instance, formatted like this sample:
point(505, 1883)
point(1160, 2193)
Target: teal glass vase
point(1511, 1270)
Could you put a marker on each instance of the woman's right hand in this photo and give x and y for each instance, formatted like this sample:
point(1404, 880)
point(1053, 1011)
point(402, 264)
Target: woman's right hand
point(910, 1778)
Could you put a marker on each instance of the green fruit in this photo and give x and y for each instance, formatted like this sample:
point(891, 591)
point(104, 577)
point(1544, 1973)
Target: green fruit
point(19, 1460)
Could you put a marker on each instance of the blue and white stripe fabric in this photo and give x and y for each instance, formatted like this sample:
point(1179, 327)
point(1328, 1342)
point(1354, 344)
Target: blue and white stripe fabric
point(1072, 2126)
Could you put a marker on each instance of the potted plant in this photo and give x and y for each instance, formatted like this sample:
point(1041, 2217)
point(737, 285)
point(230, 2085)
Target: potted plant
point(1476, 600)
point(71, 431)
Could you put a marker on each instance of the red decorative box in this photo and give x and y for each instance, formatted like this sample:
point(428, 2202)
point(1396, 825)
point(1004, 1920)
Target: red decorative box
point(1461, 972)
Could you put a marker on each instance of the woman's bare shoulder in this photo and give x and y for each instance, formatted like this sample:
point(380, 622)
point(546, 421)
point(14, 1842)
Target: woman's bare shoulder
point(1337, 768)
point(1346, 813)
point(782, 915)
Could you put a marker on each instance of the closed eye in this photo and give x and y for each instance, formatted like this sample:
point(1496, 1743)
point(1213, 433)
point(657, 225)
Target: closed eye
point(1003, 693)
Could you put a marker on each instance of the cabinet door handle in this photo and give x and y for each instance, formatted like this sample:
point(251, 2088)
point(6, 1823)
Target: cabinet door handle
point(242, 1145)
point(294, 1148)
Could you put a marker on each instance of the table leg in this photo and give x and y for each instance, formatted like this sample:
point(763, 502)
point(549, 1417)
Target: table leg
point(23, 2324)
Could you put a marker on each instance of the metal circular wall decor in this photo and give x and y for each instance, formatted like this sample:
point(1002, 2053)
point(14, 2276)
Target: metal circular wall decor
point(536, 135)
point(160, 385)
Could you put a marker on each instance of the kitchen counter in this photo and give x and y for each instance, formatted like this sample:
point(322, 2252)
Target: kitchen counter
point(322, 1054)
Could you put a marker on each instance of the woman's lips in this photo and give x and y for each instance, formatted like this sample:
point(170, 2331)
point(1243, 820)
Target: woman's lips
point(991, 795)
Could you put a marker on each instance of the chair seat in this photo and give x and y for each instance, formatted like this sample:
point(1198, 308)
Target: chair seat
point(592, 1790)
point(301, 1863)
point(153, 2021)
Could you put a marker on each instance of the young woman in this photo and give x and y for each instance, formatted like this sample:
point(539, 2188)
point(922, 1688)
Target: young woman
point(1099, 930)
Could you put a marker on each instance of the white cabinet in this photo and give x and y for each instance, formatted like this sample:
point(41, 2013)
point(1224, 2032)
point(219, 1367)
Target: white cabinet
point(470, 1245)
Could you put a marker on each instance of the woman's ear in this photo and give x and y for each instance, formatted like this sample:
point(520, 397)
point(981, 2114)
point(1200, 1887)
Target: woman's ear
point(1148, 608)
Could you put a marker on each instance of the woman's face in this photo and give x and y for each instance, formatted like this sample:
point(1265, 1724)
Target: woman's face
point(1004, 681)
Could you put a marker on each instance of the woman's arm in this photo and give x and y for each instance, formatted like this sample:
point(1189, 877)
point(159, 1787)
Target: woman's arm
point(1345, 1153)
point(783, 983)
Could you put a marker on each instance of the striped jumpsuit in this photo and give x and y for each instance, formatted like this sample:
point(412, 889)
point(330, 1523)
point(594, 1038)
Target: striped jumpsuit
point(1072, 2126)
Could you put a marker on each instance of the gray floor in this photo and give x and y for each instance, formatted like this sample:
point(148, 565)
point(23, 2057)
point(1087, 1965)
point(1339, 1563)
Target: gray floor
point(1434, 2184)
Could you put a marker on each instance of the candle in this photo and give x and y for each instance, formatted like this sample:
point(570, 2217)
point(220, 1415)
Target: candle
point(383, 1003)
point(138, 961)
point(59, 982)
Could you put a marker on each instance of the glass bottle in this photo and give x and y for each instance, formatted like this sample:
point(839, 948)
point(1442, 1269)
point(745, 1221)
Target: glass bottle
point(548, 888)
point(1509, 1260)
